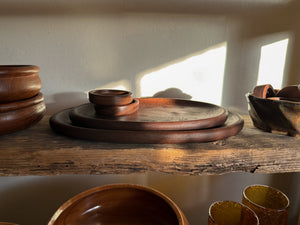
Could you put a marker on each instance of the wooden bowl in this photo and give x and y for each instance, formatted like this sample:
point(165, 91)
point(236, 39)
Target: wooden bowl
point(110, 97)
point(118, 110)
point(22, 117)
point(274, 113)
point(11, 106)
point(125, 204)
point(291, 92)
point(18, 82)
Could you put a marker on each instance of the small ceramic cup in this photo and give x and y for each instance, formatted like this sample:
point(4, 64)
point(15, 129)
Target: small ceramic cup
point(231, 213)
point(270, 205)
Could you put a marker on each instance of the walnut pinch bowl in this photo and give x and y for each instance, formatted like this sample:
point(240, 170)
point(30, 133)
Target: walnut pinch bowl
point(110, 97)
point(18, 82)
point(270, 111)
point(125, 204)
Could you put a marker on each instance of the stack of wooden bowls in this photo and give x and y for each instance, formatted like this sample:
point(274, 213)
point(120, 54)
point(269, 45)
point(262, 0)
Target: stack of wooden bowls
point(21, 102)
point(113, 102)
point(115, 116)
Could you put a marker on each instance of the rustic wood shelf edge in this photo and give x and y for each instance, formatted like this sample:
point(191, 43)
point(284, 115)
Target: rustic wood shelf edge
point(40, 151)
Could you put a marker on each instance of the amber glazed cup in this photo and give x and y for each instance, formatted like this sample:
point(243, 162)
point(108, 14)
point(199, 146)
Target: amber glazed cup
point(231, 213)
point(119, 204)
point(270, 205)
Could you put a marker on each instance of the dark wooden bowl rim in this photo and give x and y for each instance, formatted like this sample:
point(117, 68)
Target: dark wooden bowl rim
point(110, 97)
point(18, 69)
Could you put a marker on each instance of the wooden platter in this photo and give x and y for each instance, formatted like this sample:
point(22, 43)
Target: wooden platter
point(154, 114)
point(61, 123)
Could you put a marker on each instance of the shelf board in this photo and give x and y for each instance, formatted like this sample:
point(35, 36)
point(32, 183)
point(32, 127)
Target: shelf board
point(40, 151)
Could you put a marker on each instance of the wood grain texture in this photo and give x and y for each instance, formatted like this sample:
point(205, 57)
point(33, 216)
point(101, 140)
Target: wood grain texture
point(18, 82)
point(40, 151)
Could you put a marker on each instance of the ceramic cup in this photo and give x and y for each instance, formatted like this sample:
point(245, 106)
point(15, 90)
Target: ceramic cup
point(231, 213)
point(270, 205)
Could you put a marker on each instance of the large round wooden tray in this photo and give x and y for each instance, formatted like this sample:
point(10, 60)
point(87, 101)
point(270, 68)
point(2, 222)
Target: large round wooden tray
point(155, 114)
point(61, 123)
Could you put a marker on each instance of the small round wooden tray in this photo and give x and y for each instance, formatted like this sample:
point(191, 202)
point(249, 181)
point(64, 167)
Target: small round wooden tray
point(61, 123)
point(155, 114)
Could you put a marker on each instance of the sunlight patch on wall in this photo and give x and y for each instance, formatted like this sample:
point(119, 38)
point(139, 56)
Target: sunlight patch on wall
point(200, 76)
point(121, 85)
point(272, 63)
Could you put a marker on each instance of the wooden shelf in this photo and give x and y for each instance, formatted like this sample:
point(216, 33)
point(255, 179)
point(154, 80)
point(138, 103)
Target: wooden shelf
point(40, 151)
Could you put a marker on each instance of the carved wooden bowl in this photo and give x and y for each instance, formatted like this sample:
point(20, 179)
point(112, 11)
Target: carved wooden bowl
point(110, 97)
point(125, 204)
point(22, 114)
point(269, 111)
point(18, 82)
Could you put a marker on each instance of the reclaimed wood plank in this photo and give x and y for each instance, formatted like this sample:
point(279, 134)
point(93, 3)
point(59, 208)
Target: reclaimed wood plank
point(40, 151)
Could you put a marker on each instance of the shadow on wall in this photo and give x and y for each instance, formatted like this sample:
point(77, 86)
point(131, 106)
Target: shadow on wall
point(65, 100)
point(172, 93)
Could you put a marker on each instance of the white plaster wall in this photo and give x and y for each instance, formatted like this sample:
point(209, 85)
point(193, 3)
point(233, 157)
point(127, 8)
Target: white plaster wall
point(89, 44)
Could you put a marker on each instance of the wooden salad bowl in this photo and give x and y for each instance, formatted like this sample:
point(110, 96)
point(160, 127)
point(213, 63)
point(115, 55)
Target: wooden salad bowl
point(277, 110)
point(15, 117)
point(18, 82)
point(125, 204)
